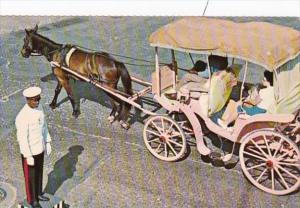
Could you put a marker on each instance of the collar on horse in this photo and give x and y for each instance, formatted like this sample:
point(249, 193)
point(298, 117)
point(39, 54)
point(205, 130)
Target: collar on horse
point(44, 52)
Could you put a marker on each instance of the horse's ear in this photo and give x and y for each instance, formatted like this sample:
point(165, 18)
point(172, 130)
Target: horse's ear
point(35, 28)
point(27, 32)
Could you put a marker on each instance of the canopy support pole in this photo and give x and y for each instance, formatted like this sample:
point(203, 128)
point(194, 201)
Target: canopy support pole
point(174, 68)
point(276, 95)
point(209, 80)
point(157, 72)
point(244, 79)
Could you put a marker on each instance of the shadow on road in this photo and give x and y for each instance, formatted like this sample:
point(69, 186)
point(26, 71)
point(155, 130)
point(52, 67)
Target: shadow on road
point(85, 91)
point(63, 169)
point(82, 90)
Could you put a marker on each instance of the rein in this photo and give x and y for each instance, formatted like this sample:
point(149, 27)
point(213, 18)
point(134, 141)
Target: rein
point(127, 57)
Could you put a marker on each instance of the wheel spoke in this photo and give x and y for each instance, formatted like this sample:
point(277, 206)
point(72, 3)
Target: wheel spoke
point(175, 153)
point(289, 164)
point(158, 129)
point(172, 124)
point(282, 179)
point(285, 154)
point(256, 166)
point(166, 150)
point(153, 140)
point(152, 132)
point(267, 145)
point(176, 133)
point(289, 160)
point(273, 179)
point(259, 148)
point(257, 180)
point(258, 153)
point(176, 143)
point(156, 150)
point(256, 156)
point(162, 124)
point(288, 172)
point(280, 144)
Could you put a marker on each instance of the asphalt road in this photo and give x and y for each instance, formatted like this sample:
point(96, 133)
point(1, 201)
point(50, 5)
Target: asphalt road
point(95, 164)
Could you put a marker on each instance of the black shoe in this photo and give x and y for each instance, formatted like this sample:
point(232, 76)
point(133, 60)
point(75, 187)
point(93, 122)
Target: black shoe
point(36, 204)
point(43, 198)
point(171, 96)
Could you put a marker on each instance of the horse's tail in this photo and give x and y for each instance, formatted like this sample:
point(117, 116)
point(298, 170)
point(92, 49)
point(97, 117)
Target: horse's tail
point(125, 78)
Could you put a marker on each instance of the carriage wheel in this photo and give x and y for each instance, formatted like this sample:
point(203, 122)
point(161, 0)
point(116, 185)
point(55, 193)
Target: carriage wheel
point(164, 138)
point(270, 161)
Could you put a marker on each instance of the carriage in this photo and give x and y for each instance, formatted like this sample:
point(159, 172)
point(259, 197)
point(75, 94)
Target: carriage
point(269, 153)
point(268, 143)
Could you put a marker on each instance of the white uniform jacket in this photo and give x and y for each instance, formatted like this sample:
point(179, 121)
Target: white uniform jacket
point(32, 131)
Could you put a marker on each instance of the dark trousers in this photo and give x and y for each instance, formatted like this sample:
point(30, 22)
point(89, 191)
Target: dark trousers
point(33, 177)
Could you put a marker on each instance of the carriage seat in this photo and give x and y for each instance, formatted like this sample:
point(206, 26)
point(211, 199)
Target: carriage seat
point(166, 79)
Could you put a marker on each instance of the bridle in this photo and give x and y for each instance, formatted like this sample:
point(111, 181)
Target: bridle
point(35, 52)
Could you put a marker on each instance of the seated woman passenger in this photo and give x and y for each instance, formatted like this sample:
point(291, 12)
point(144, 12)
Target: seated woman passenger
point(221, 86)
point(258, 102)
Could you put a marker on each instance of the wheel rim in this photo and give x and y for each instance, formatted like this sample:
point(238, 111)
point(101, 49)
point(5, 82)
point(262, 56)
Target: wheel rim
point(164, 138)
point(271, 162)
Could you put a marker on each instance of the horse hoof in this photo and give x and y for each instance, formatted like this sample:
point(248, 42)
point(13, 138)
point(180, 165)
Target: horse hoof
point(124, 125)
point(52, 106)
point(75, 114)
point(111, 119)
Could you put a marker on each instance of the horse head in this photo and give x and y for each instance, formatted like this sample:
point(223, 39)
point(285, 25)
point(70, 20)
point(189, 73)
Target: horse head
point(30, 46)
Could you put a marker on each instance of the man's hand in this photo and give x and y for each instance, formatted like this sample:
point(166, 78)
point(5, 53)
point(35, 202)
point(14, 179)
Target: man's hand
point(48, 148)
point(30, 161)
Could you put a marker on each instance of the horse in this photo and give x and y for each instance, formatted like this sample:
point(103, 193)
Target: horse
point(99, 66)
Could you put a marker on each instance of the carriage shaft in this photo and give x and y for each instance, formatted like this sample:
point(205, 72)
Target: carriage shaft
point(114, 92)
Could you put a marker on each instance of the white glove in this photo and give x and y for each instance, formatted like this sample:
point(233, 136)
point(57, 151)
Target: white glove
point(30, 161)
point(48, 148)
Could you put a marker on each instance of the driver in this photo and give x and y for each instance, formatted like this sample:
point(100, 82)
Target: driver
point(191, 80)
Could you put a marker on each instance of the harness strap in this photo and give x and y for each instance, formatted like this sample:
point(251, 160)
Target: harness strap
point(91, 64)
point(63, 54)
point(88, 67)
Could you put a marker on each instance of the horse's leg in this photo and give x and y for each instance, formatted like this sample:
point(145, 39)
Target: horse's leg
point(125, 107)
point(75, 105)
point(114, 112)
point(115, 107)
point(57, 91)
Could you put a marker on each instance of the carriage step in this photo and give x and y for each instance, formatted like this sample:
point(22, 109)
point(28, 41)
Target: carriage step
point(54, 202)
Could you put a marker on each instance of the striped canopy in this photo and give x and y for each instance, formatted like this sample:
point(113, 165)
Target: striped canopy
point(262, 43)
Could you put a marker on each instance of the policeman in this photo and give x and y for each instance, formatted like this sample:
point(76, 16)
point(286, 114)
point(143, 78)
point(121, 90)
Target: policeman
point(34, 139)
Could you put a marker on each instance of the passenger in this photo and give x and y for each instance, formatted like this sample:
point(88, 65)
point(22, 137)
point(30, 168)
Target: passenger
point(217, 63)
point(221, 86)
point(193, 82)
point(256, 103)
point(192, 78)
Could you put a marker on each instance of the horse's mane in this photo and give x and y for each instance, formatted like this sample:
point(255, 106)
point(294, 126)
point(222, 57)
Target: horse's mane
point(46, 40)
